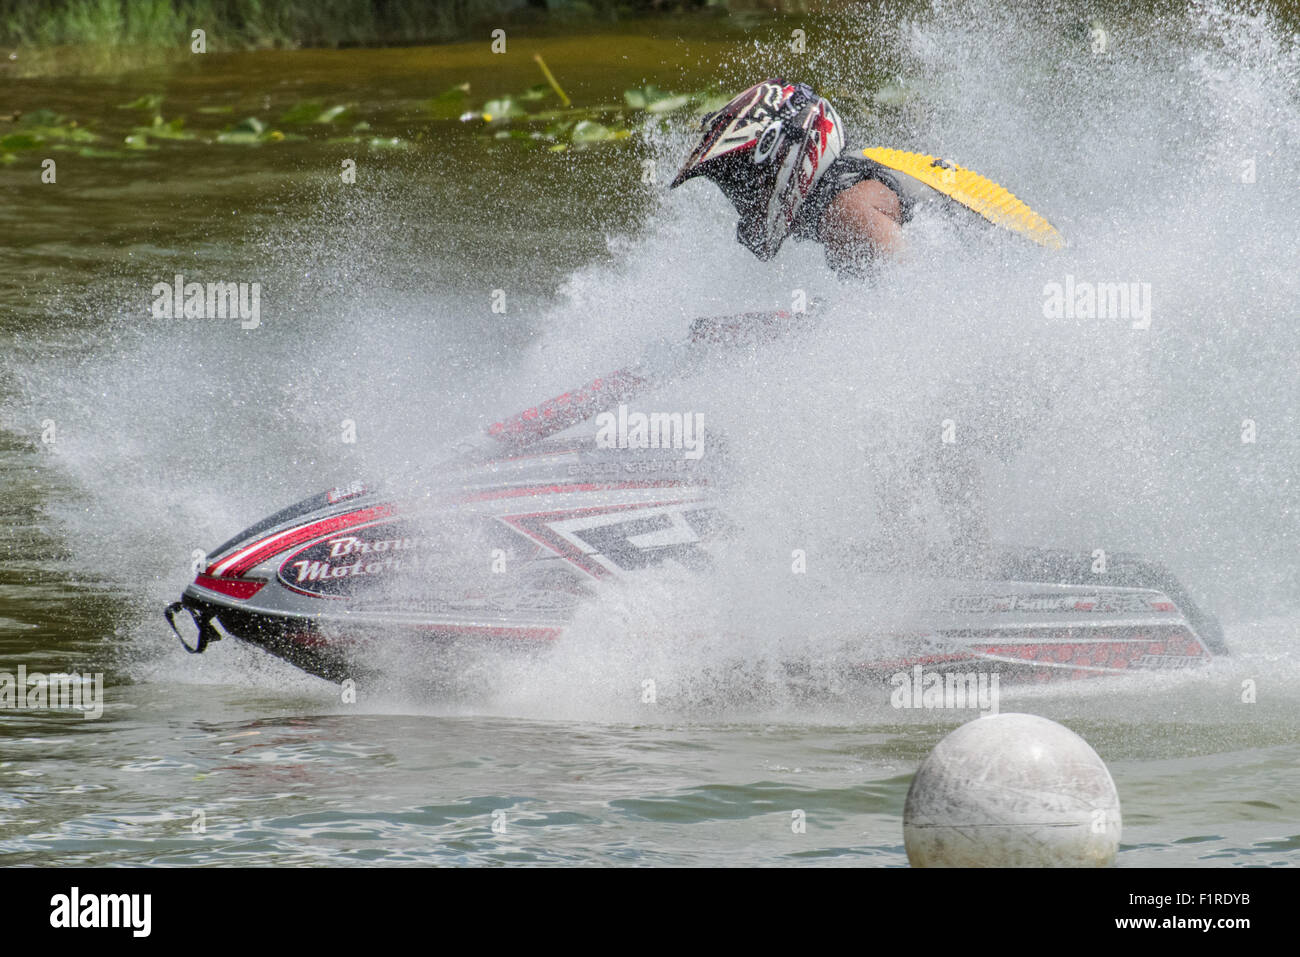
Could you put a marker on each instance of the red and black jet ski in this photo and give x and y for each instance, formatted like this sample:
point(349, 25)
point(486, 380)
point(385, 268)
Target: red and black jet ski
point(523, 525)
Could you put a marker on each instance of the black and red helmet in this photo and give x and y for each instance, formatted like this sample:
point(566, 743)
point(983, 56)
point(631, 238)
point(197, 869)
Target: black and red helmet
point(766, 150)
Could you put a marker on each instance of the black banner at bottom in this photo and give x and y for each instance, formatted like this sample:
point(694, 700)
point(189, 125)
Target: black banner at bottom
point(332, 907)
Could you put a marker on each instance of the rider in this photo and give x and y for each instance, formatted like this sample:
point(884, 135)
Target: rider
point(775, 152)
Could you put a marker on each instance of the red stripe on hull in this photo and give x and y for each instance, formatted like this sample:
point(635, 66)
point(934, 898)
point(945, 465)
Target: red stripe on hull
point(253, 555)
point(235, 588)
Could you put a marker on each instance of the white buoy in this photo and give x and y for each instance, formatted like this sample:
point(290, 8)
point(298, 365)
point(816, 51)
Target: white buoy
point(1012, 790)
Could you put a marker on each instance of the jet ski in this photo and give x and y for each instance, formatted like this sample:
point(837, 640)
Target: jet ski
point(532, 518)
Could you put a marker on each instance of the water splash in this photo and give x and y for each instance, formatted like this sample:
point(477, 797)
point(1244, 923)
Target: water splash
point(1125, 439)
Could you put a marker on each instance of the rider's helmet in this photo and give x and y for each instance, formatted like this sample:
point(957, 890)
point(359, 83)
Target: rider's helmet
point(766, 150)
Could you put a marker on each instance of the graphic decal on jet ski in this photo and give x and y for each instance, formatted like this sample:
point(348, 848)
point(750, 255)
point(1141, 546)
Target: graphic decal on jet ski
point(1046, 655)
point(605, 540)
point(445, 561)
point(253, 555)
point(519, 527)
point(1060, 604)
point(1151, 647)
point(332, 566)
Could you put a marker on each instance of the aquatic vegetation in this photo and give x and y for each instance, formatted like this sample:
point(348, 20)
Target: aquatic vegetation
point(249, 131)
point(501, 110)
point(150, 101)
point(569, 125)
point(589, 131)
point(314, 111)
point(551, 81)
point(138, 141)
point(19, 141)
point(95, 152)
point(47, 126)
point(161, 129)
point(41, 129)
point(542, 116)
point(654, 100)
point(450, 103)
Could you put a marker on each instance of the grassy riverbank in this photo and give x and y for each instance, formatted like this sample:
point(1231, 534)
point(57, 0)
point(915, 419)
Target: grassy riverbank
point(258, 24)
point(240, 24)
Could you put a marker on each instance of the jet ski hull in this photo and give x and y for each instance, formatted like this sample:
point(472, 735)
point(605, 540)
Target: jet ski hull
point(510, 549)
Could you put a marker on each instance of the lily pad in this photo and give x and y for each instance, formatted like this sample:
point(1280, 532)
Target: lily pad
point(589, 131)
point(250, 124)
point(170, 130)
point(312, 111)
point(450, 103)
point(331, 114)
point(20, 141)
point(669, 103)
point(251, 131)
point(48, 126)
point(304, 111)
point(150, 101)
point(576, 113)
point(41, 118)
point(501, 110)
point(654, 100)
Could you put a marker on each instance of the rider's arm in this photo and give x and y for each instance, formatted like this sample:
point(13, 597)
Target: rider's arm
point(861, 223)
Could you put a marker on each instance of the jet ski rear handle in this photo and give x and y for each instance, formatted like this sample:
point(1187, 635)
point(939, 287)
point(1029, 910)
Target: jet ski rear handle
point(202, 621)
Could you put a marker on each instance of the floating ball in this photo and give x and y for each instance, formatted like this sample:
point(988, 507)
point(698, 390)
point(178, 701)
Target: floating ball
point(1012, 790)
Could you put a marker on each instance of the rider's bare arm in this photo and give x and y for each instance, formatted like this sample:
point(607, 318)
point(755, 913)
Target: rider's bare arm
point(861, 223)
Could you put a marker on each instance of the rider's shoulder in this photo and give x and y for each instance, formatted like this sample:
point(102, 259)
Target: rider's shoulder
point(848, 180)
